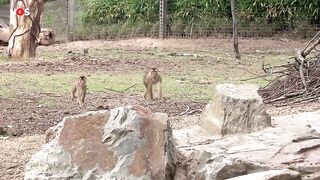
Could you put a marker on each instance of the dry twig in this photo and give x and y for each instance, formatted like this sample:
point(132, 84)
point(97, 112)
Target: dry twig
point(298, 81)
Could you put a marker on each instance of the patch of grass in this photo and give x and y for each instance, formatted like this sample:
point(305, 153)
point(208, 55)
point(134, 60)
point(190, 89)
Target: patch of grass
point(100, 82)
point(7, 85)
point(5, 92)
point(47, 102)
point(28, 82)
point(62, 83)
point(3, 58)
point(52, 54)
point(194, 81)
point(118, 82)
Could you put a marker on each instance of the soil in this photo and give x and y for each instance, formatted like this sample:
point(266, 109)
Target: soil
point(26, 120)
point(15, 153)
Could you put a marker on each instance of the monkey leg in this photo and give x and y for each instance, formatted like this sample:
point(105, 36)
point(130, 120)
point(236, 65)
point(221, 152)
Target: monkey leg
point(160, 89)
point(73, 93)
point(150, 91)
point(145, 95)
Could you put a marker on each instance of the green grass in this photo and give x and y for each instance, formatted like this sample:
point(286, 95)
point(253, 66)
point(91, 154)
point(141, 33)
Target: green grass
point(3, 58)
point(194, 81)
point(62, 83)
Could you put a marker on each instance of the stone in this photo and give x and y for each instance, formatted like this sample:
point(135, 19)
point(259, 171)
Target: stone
point(3, 131)
point(293, 143)
point(180, 174)
point(122, 143)
point(206, 165)
point(313, 176)
point(235, 109)
point(284, 174)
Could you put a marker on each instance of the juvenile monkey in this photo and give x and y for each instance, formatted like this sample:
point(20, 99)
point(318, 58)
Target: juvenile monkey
point(79, 90)
point(150, 78)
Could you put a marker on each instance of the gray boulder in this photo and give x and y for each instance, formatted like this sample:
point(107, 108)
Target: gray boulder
point(313, 176)
point(294, 143)
point(124, 143)
point(235, 109)
point(206, 165)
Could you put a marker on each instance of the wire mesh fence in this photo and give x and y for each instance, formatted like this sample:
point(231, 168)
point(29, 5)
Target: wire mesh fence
point(65, 19)
point(55, 17)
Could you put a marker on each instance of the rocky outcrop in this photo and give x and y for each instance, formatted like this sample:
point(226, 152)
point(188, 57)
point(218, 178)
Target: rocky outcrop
point(294, 143)
point(313, 176)
point(284, 174)
point(205, 165)
point(235, 109)
point(124, 143)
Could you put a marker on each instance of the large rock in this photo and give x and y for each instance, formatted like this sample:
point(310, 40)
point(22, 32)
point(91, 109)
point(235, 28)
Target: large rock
point(293, 143)
point(313, 176)
point(235, 109)
point(124, 143)
point(284, 174)
point(206, 165)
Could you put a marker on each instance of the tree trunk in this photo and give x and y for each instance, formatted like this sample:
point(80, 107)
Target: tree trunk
point(24, 28)
point(235, 30)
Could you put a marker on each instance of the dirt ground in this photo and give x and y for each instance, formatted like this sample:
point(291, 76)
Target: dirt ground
point(26, 117)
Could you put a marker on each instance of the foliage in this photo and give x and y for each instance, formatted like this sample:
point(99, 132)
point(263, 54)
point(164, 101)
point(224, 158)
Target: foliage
point(4, 2)
point(191, 16)
point(119, 11)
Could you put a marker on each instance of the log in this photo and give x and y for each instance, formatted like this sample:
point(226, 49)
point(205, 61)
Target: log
point(47, 37)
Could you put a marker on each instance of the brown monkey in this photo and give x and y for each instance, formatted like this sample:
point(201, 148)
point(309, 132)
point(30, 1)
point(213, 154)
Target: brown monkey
point(79, 90)
point(150, 78)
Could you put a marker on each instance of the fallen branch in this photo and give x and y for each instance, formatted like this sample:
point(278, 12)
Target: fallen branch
point(298, 81)
point(123, 90)
point(187, 112)
point(257, 76)
point(184, 111)
point(194, 111)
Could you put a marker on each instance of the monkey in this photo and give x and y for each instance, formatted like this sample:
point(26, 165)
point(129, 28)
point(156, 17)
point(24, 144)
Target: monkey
point(150, 78)
point(79, 90)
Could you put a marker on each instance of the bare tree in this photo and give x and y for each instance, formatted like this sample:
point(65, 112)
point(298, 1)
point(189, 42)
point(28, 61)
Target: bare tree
point(235, 30)
point(25, 18)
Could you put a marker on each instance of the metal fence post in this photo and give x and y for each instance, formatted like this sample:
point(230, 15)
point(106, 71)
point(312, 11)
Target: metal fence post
point(70, 18)
point(163, 19)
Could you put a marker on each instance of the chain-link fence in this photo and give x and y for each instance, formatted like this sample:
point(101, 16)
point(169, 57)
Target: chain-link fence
point(64, 17)
point(55, 17)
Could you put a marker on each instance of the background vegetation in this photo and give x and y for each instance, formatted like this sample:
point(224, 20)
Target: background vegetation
point(3, 2)
point(202, 18)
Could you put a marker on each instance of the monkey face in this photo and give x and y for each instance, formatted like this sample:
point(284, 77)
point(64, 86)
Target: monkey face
point(154, 75)
point(82, 80)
